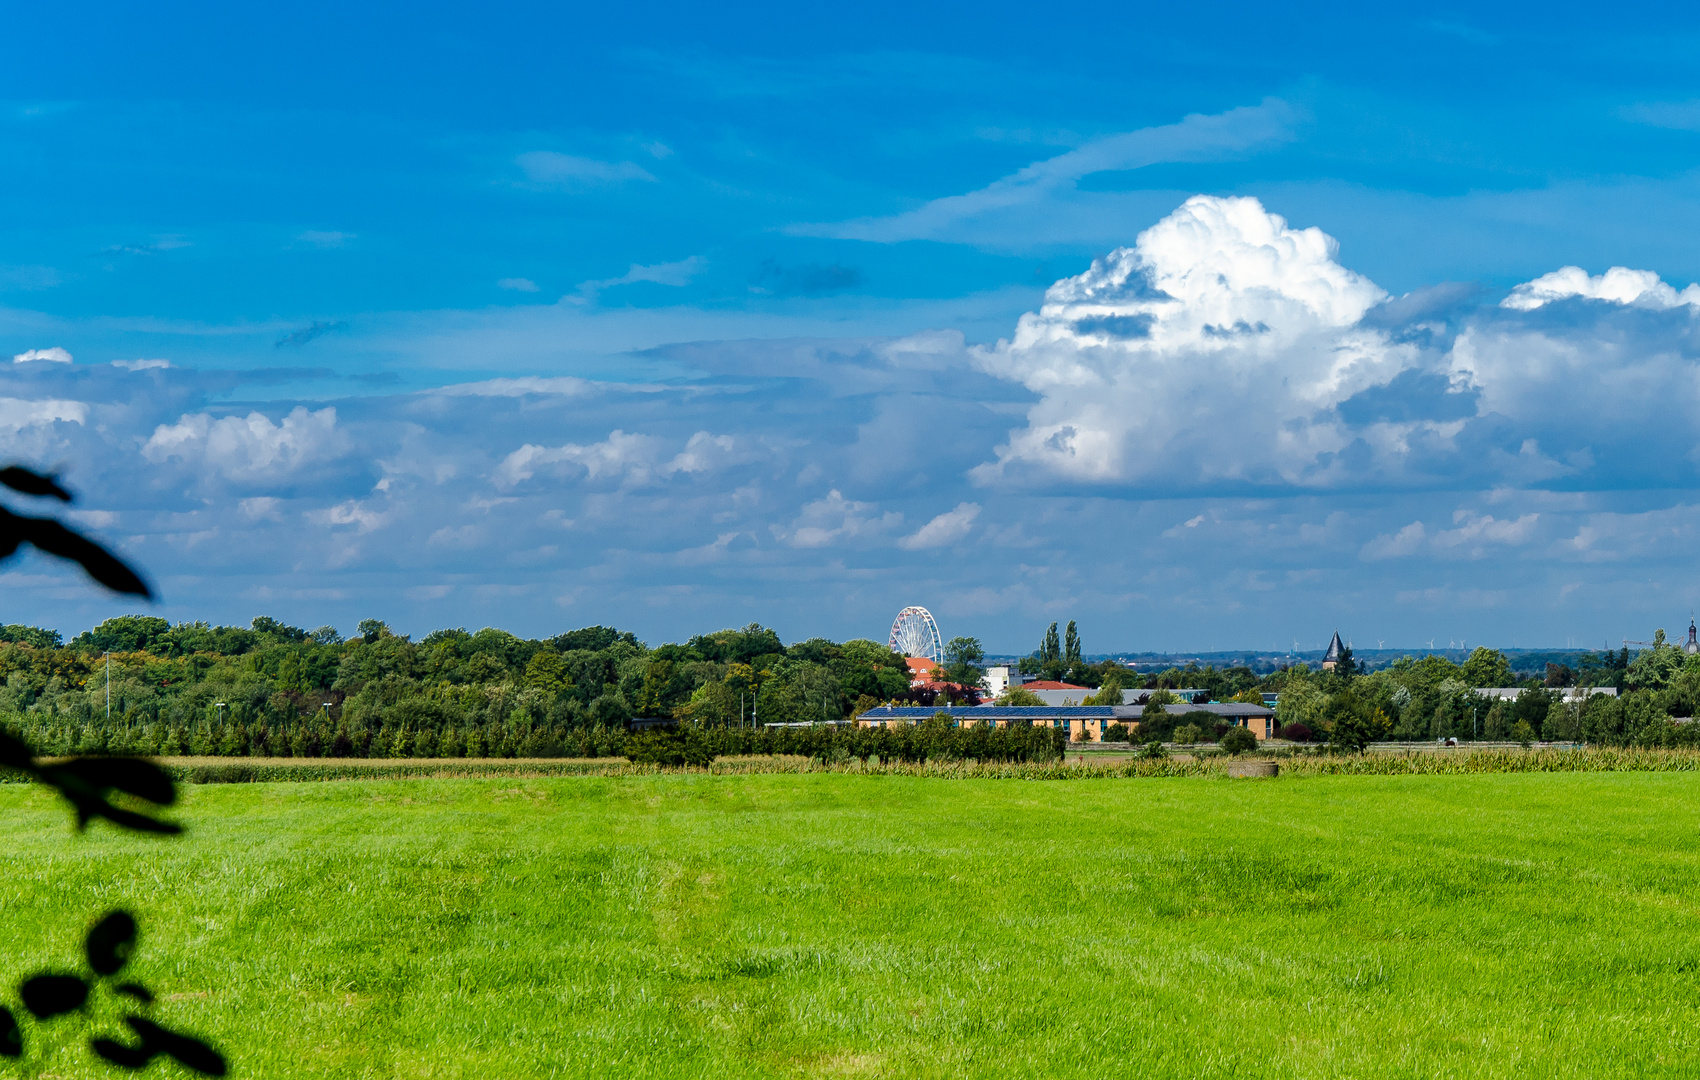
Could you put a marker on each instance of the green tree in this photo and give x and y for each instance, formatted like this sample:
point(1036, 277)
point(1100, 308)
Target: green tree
point(1050, 654)
point(1109, 691)
point(548, 672)
point(1015, 695)
point(1494, 726)
point(1653, 667)
point(1349, 722)
point(962, 659)
point(1071, 648)
point(1486, 667)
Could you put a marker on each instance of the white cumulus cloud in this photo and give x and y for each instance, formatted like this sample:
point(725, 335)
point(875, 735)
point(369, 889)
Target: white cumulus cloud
point(1195, 351)
point(251, 447)
point(634, 459)
point(1619, 284)
point(19, 413)
point(836, 519)
point(55, 355)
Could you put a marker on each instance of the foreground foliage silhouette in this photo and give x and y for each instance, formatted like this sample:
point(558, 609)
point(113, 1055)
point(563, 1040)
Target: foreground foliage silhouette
point(88, 784)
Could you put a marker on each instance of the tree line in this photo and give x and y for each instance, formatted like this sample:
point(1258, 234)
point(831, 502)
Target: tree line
point(141, 685)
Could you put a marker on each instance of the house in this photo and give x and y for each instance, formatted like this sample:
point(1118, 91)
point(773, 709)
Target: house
point(1257, 719)
point(1085, 723)
point(1000, 677)
point(1080, 720)
point(1572, 694)
point(922, 670)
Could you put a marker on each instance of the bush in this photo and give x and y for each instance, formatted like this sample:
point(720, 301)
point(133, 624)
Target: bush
point(1188, 733)
point(682, 746)
point(1207, 723)
point(1239, 740)
point(1117, 733)
point(1295, 732)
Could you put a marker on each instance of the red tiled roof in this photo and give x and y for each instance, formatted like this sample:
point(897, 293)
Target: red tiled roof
point(1044, 684)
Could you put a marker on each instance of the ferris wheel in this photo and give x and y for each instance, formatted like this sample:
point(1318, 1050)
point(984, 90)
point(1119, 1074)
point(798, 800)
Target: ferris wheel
point(916, 634)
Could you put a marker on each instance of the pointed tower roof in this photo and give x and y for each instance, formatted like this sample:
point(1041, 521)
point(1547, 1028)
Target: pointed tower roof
point(1332, 656)
point(1693, 646)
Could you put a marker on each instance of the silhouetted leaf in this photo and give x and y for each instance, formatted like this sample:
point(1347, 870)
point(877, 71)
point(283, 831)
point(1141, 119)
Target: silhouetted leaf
point(125, 1057)
point(24, 481)
point(55, 539)
point(137, 991)
point(14, 752)
point(11, 1039)
point(50, 995)
point(134, 776)
point(192, 1053)
point(109, 943)
point(85, 782)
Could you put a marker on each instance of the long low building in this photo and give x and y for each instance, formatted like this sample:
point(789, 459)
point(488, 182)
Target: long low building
point(1059, 694)
point(1084, 722)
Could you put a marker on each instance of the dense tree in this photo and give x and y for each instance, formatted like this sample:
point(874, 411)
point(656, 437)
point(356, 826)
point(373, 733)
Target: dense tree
point(1486, 667)
point(962, 659)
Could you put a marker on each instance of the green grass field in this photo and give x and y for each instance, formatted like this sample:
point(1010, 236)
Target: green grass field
point(844, 926)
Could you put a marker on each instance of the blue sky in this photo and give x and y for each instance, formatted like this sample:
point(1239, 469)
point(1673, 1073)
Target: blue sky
point(679, 317)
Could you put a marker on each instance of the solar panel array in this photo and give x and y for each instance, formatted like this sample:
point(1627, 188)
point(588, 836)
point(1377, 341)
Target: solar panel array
point(992, 712)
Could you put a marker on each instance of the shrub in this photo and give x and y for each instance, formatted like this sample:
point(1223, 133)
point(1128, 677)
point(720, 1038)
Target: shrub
point(684, 746)
point(1117, 733)
point(1295, 732)
point(1188, 733)
point(1239, 740)
point(1207, 723)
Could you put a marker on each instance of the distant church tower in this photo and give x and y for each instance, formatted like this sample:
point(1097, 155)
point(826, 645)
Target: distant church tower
point(1693, 646)
point(1331, 658)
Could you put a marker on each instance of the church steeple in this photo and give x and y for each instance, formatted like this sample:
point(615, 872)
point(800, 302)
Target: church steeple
point(1693, 646)
point(1336, 651)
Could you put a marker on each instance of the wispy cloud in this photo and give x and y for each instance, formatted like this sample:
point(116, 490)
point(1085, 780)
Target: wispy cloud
point(1680, 115)
point(676, 274)
point(550, 169)
point(297, 338)
point(1195, 138)
point(948, 528)
point(325, 238)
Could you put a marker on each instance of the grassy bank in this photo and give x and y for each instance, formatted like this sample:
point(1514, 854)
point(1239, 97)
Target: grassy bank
point(832, 924)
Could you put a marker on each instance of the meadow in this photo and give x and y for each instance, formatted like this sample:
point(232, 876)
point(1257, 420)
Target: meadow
point(841, 925)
